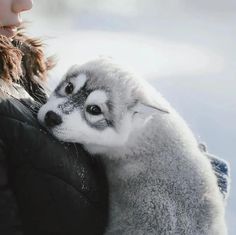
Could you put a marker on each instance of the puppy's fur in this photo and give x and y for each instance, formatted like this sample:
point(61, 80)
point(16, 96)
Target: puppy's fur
point(160, 182)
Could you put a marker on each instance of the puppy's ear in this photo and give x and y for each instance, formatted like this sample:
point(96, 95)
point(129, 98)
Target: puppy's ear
point(148, 102)
point(145, 111)
point(148, 108)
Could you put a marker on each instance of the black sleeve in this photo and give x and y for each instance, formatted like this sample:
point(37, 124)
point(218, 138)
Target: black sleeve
point(221, 170)
point(59, 188)
point(10, 223)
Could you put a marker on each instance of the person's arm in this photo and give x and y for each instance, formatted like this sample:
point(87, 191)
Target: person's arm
point(59, 188)
point(221, 170)
point(9, 215)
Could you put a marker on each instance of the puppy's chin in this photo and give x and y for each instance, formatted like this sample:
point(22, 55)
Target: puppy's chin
point(66, 135)
point(61, 135)
point(96, 149)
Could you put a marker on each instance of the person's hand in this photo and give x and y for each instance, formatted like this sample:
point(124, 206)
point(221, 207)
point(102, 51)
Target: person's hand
point(59, 188)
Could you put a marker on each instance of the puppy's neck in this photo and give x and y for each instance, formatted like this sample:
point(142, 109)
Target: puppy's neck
point(135, 141)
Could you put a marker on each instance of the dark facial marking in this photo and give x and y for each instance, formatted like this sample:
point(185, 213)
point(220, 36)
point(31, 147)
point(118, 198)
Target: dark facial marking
point(76, 100)
point(57, 90)
point(69, 76)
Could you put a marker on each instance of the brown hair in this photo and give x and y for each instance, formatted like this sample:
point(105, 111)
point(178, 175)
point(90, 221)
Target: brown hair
point(22, 60)
point(10, 60)
point(22, 57)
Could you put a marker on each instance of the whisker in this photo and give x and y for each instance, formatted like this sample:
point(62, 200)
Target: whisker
point(76, 150)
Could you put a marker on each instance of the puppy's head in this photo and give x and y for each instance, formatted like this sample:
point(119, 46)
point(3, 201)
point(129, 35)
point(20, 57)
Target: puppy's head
point(98, 104)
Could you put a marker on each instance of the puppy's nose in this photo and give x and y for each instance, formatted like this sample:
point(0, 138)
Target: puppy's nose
point(52, 119)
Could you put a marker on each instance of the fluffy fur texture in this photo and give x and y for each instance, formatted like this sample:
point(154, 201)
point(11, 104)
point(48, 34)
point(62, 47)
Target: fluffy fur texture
point(22, 61)
point(160, 181)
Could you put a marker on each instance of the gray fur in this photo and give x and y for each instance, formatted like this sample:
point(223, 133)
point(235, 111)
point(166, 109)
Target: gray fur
point(160, 181)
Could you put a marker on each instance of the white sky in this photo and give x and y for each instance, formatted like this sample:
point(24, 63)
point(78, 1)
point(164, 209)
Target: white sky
point(147, 56)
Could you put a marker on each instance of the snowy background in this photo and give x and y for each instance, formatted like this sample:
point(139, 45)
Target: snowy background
point(185, 48)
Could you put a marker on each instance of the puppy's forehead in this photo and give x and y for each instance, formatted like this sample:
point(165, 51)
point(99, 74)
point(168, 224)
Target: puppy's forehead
point(90, 80)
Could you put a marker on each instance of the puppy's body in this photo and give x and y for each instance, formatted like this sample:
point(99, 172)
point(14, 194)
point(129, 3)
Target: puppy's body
point(160, 182)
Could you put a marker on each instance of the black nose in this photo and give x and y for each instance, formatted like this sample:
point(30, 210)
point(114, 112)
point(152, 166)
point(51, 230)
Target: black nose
point(52, 119)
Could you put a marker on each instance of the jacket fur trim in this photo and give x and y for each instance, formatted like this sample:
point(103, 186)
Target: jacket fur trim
point(22, 61)
point(23, 56)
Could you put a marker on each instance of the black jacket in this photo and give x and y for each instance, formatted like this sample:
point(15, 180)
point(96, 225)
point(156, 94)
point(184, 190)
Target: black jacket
point(59, 188)
point(46, 187)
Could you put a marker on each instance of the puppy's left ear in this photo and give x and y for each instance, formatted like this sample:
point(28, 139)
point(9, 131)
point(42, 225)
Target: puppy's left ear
point(148, 103)
point(145, 111)
point(148, 108)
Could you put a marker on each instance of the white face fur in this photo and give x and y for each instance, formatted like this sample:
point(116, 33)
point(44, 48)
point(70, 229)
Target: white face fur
point(97, 105)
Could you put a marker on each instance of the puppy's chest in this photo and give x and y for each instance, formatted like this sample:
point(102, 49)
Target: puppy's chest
point(126, 176)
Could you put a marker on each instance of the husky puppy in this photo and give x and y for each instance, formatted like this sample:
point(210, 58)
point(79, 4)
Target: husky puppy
point(160, 181)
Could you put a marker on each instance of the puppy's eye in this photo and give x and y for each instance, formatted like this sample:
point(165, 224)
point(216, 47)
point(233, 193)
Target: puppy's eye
point(69, 88)
point(93, 110)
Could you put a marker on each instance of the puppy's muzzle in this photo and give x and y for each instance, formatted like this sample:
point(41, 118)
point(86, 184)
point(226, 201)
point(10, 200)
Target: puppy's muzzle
point(52, 119)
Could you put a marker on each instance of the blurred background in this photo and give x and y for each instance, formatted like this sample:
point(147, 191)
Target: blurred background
point(185, 48)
